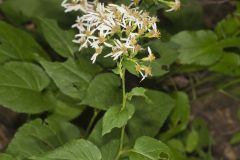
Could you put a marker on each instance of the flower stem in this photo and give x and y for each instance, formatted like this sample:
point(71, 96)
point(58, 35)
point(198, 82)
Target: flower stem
point(124, 99)
point(95, 113)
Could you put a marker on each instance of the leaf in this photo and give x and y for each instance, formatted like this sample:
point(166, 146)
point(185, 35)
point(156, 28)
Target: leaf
point(176, 144)
point(149, 115)
point(36, 138)
point(70, 77)
point(6, 157)
point(58, 39)
point(235, 139)
point(106, 143)
point(229, 65)
point(201, 126)
point(179, 116)
point(76, 150)
point(115, 117)
point(130, 66)
point(113, 147)
point(137, 91)
point(64, 109)
point(103, 92)
point(18, 45)
point(147, 148)
point(228, 27)
point(201, 47)
point(192, 141)
point(21, 11)
point(21, 86)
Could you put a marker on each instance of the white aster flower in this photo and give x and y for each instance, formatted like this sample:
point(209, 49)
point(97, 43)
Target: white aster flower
point(117, 27)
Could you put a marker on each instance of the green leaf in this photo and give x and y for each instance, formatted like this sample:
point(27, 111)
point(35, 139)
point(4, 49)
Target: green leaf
point(179, 117)
point(76, 150)
point(229, 65)
point(37, 137)
point(70, 77)
point(20, 11)
point(65, 110)
point(115, 117)
point(108, 142)
point(201, 126)
point(192, 141)
point(137, 91)
point(130, 66)
point(6, 157)
point(235, 139)
point(21, 86)
point(110, 150)
point(149, 115)
point(228, 27)
point(176, 144)
point(103, 92)
point(147, 148)
point(58, 39)
point(18, 45)
point(201, 47)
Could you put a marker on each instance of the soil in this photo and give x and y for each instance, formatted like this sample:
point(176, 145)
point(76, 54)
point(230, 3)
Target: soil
point(220, 112)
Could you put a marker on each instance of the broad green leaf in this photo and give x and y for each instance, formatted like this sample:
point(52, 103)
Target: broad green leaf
point(201, 47)
point(179, 116)
point(65, 110)
point(18, 45)
point(110, 150)
point(117, 118)
point(6, 157)
point(106, 143)
point(103, 92)
point(149, 114)
point(147, 148)
point(229, 65)
point(20, 11)
point(76, 150)
point(21, 86)
point(58, 39)
point(192, 141)
point(235, 139)
point(71, 77)
point(37, 137)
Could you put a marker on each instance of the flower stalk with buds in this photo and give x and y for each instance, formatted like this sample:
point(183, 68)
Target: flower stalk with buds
point(117, 28)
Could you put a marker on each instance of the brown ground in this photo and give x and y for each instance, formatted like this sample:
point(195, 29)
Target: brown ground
point(220, 111)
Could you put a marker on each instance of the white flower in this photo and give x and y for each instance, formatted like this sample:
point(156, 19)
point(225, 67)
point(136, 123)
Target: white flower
point(117, 27)
point(98, 51)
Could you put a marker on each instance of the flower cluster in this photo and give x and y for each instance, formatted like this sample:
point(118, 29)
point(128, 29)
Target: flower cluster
point(117, 28)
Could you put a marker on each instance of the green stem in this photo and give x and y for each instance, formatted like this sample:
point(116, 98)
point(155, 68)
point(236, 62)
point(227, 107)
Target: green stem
point(95, 113)
point(124, 99)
